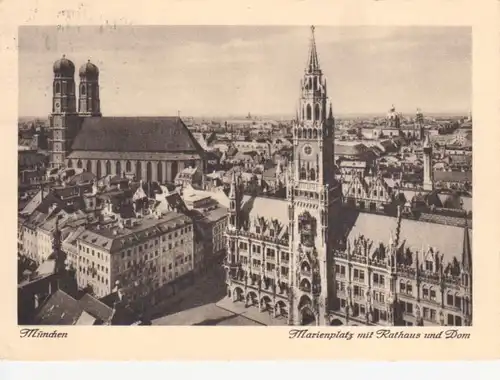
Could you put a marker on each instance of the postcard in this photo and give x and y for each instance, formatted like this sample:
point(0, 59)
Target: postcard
point(226, 185)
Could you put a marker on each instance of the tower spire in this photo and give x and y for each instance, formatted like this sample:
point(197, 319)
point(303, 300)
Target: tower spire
point(313, 62)
point(466, 251)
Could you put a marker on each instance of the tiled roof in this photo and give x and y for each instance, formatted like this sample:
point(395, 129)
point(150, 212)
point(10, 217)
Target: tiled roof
point(415, 235)
point(34, 202)
point(453, 176)
point(30, 158)
point(145, 156)
point(135, 134)
point(267, 208)
point(218, 195)
point(81, 178)
point(85, 319)
point(96, 308)
point(59, 309)
point(105, 238)
point(216, 214)
point(343, 149)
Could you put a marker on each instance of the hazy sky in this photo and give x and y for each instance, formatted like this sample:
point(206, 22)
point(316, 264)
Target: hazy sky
point(226, 70)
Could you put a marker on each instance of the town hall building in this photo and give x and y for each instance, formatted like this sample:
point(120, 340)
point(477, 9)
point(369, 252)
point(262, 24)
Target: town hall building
point(308, 260)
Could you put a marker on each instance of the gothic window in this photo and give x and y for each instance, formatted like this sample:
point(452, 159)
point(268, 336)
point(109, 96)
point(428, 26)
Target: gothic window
point(428, 265)
point(159, 172)
point(432, 293)
point(58, 88)
point(309, 133)
point(175, 169)
point(425, 292)
point(303, 173)
point(299, 134)
point(310, 84)
point(89, 166)
point(79, 164)
point(70, 163)
point(316, 112)
point(138, 170)
point(312, 175)
point(305, 268)
point(83, 90)
point(108, 168)
point(99, 169)
point(118, 168)
point(149, 172)
point(128, 166)
point(315, 84)
point(308, 112)
point(315, 133)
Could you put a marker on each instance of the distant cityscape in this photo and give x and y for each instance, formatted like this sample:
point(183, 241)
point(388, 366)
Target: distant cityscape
point(311, 218)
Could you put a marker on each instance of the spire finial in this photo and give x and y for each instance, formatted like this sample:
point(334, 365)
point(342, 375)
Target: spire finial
point(64, 56)
point(313, 64)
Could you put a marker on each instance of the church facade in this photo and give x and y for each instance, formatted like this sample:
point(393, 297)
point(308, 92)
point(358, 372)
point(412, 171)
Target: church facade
point(147, 148)
point(308, 260)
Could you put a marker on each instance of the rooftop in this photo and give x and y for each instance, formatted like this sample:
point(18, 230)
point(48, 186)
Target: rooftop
point(115, 239)
point(135, 134)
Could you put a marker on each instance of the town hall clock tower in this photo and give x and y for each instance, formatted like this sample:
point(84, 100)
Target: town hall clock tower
point(314, 197)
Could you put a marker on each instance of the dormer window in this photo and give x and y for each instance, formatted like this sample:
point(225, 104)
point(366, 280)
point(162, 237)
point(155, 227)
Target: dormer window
point(257, 229)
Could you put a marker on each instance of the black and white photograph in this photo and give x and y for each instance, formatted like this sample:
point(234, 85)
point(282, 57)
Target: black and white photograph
point(245, 175)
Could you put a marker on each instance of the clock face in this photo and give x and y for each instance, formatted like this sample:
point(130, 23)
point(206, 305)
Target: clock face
point(307, 150)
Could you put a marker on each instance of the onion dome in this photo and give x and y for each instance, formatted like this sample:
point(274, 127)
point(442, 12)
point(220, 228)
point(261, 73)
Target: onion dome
point(64, 67)
point(89, 70)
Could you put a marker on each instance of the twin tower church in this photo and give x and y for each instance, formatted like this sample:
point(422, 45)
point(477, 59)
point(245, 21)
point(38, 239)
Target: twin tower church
point(149, 148)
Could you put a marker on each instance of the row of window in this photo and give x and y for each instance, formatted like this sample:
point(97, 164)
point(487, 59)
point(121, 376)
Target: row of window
point(269, 266)
point(103, 256)
point(94, 274)
point(270, 252)
point(360, 310)
point(178, 262)
point(164, 249)
point(86, 260)
point(374, 194)
point(359, 275)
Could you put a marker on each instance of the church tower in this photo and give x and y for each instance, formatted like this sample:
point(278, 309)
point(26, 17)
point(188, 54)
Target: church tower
point(235, 195)
point(314, 197)
point(466, 277)
point(63, 119)
point(419, 124)
point(428, 169)
point(89, 103)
